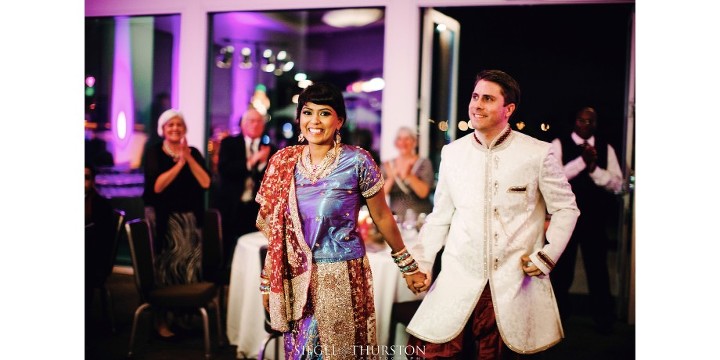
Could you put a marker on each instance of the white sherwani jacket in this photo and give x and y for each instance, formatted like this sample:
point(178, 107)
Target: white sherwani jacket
point(489, 210)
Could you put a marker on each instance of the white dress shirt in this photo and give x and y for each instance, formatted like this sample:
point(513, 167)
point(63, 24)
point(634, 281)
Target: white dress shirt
point(611, 179)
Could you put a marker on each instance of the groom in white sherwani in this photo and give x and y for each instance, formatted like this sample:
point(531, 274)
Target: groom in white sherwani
point(493, 298)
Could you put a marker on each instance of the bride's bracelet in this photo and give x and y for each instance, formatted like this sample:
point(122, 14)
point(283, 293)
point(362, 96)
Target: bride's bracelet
point(264, 284)
point(405, 262)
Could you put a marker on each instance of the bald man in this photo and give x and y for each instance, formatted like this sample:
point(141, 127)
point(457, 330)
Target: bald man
point(593, 170)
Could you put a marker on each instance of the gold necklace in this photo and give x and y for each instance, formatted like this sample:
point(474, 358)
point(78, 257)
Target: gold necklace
point(322, 169)
point(167, 150)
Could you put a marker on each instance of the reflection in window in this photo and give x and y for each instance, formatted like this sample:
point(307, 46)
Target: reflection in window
point(130, 77)
point(267, 58)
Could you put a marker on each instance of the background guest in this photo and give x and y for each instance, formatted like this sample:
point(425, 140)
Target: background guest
point(593, 170)
point(408, 177)
point(241, 164)
point(176, 180)
point(97, 154)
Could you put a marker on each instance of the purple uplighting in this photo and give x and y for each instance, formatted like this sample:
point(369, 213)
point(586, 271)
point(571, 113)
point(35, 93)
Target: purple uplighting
point(175, 97)
point(122, 108)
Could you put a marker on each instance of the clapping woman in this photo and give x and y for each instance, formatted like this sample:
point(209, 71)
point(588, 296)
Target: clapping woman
point(409, 178)
point(176, 179)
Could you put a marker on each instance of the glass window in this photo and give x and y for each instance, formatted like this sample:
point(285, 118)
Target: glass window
point(130, 67)
point(267, 58)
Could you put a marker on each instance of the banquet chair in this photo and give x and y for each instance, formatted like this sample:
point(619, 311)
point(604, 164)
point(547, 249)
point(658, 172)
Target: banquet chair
point(214, 266)
point(174, 297)
point(272, 333)
point(100, 252)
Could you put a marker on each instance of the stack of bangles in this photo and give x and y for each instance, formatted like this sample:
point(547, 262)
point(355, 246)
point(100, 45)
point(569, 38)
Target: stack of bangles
point(405, 262)
point(264, 283)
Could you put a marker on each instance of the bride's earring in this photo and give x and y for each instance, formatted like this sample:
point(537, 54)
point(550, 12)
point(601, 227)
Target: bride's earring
point(337, 136)
point(301, 138)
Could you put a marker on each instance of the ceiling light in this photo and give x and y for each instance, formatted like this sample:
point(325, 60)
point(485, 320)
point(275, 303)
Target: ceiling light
point(288, 66)
point(352, 17)
point(246, 60)
point(304, 83)
point(224, 60)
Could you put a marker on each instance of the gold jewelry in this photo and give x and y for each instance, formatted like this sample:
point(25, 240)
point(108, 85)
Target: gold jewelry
point(394, 255)
point(301, 138)
point(167, 150)
point(337, 136)
point(319, 171)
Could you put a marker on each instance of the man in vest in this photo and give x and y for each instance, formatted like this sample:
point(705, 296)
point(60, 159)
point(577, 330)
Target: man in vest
point(591, 166)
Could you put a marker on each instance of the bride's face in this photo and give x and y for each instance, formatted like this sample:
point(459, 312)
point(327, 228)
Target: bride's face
point(318, 123)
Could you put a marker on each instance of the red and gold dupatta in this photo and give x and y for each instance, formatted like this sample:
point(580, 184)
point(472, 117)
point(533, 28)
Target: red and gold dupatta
point(288, 263)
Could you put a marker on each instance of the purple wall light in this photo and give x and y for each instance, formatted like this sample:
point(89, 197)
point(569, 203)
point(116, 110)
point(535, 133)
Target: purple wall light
point(122, 108)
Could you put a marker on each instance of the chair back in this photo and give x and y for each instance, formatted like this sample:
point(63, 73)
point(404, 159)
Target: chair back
point(118, 222)
point(101, 245)
point(212, 245)
point(140, 241)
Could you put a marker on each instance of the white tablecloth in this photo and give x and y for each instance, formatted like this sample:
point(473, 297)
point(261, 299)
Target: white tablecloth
point(245, 316)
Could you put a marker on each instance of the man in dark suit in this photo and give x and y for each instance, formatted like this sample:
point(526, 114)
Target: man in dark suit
point(242, 162)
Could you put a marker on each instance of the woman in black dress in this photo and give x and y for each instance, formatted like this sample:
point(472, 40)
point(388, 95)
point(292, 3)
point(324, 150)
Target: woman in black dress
point(176, 179)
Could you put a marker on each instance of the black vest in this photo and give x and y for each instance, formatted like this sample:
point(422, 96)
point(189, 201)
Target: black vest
point(591, 199)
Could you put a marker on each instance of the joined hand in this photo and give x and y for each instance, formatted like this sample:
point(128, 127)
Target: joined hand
point(417, 282)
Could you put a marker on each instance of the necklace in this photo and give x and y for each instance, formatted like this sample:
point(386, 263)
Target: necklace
point(167, 150)
point(315, 172)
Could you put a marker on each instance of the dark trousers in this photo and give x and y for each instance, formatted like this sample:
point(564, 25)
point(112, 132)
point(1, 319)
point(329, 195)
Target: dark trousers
point(480, 339)
point(590, 236)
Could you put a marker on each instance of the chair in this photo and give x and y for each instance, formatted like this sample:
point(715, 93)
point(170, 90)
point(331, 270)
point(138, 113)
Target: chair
point(272, 333)
point(403, 312)
point(174, 297)
point(214, 266)
point(101, 245)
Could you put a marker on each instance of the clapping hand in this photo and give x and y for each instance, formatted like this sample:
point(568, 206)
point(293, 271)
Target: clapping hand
point(262, 154)
point(403, 170)
point(589, 155)
point(389, 171)
point(258, 157)
point(184, 153)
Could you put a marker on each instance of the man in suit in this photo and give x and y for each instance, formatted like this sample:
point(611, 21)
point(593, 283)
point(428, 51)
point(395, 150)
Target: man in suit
point(593, 170)
point(493, 298)
point(242, 162)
